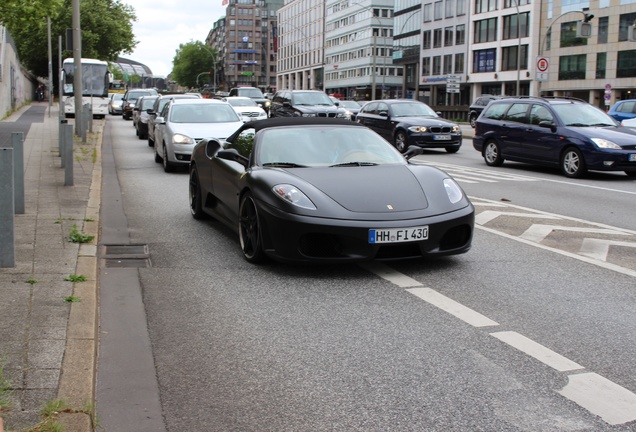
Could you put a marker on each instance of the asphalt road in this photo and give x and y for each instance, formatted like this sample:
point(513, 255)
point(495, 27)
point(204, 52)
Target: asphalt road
point(527, 332)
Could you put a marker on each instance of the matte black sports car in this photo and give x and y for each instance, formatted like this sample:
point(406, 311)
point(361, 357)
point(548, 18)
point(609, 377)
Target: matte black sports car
point(327, 190)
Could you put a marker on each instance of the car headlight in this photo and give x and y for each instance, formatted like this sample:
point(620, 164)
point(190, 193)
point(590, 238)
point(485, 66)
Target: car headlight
point(605, 144)
point(343, 115)
point(455, 128)
point(293, 196)
point(267, 103)
point(453, 190)
point(418, 129)
point(308, 115)
point(182, 139)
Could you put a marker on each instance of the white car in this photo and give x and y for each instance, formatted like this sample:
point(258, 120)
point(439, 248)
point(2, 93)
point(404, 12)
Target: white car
point(184, 122)
point(629, 122)
point(247, 108)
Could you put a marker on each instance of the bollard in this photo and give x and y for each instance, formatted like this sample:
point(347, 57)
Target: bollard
point(68, 155)
point(84, 122)
point(17, 138)
point(60, 138)
point(7, 209)
point(90, 118)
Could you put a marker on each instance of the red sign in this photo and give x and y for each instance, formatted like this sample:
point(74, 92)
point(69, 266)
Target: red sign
point(542, 64)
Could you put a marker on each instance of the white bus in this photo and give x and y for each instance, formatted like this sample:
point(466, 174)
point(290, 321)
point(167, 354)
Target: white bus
point(95, 83)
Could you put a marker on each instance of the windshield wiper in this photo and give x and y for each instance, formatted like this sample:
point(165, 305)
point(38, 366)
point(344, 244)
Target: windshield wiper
point(284, 165)
point(578, 124)
point(602, 124)
point(344, 164)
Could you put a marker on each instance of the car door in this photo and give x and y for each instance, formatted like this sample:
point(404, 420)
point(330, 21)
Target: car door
point(513, 129)
point(368, 115)
point(541, 143)
point(385, 124)
point(160, 126)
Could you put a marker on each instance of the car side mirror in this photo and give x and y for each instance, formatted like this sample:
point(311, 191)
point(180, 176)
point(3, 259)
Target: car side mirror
point(548, 125)
point(337, 104)
point(160, 120)
point(413, 151)
point(234, 156)
point(212, 146)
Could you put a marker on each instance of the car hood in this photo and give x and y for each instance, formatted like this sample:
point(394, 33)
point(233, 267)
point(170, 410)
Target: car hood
point(374, 189)
point(315, 109)
point(206, 130)
point(623, 136)
point(426, 121)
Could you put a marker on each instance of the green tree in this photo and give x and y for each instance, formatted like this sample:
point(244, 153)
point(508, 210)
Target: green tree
point(190, 60)
point(106, 29)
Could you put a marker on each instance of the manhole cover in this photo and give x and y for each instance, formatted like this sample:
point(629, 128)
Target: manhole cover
point(126, 249)
point(126, 263)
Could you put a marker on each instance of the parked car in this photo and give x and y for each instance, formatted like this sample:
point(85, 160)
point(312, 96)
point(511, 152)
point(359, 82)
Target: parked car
point(623, 110)
point(246, 108)
point(115, 101)
point(253, 93)
point(407, 122)
point(184, 122)
point(478, 106)
point(630, 123)
point(326, 190)
point(351, 107)
point(141, 115)
point(130, 98)
point(561, 132)
point(304, 103)
point(157, 107)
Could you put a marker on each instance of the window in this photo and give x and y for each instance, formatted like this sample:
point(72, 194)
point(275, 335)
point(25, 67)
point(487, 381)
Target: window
point(437, 38)
point(603, 29)
point(426, 39)
point(243, 143)
point(515, 3)
point(539, 113)
point(437, 65)
point(448, 64)
point(428, 12)
point(511, 27)
point(486, 30)
point(601, 61)
point(460, 34)
point(572, 67)
point(485, 6)
point(484, 60)
point(509, 58)
point(517, 113)
point(626, 64)
point(568, 35)
point(459, 63)
point(448, 8)
point(439, 11)
point(448, 36)
point(426, 66)
point(626, 20)
point(461, 7)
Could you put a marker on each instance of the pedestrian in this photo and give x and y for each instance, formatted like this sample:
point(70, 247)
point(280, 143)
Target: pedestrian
point(39, 92)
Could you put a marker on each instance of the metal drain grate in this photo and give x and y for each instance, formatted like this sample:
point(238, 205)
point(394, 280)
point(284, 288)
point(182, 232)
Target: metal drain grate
point(125, 256)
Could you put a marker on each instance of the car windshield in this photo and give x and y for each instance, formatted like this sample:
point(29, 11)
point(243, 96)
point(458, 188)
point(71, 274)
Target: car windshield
point(324, 146)
point(146, 103)
point(350, 104)
point(582, 115)
point(311, 98)
point(412, 109)
point(117, 96)
point(252, 93)
point(241, 102)
point(203, 113)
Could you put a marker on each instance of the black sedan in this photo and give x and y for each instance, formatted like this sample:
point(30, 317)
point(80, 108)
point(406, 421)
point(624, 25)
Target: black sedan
point(407, 122)
point(326, 190)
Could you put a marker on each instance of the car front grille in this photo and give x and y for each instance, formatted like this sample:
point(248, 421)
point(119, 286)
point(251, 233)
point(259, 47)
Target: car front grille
point(251, 114)
point(327, 114)
point(440, 129)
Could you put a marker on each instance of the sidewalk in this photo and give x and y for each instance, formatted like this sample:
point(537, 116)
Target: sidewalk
point(48, 343)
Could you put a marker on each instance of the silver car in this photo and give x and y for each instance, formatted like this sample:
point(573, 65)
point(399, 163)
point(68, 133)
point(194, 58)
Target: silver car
point(184, 122)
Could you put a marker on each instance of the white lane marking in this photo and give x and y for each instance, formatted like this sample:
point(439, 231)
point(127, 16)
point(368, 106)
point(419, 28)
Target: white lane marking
point(387, 273)
point(538, 232)
point(611, 402)
point(583, 258)
point(599, 248)
point(538, 351)
point(452, 307)
point(486, 216)
point(487, 204)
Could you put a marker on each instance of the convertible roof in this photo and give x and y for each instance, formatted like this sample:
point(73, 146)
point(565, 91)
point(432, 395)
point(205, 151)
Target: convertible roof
point(298, 121)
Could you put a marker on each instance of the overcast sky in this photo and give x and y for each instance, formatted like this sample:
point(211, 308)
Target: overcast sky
point(162, 25)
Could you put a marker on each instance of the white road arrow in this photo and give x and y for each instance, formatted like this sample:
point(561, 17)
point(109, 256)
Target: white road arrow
point(536, 233)
point(599, 248)
point(486, 216)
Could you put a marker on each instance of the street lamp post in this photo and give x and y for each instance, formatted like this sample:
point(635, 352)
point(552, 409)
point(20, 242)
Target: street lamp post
point(215, 60)
point(202, 73)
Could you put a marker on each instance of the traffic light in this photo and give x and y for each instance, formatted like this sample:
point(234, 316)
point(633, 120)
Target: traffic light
point(584, 28)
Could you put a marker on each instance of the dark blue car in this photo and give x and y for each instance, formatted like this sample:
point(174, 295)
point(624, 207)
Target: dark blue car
point(562, 132)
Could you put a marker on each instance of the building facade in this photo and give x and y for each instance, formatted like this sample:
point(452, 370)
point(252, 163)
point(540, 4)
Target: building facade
point(358, 50)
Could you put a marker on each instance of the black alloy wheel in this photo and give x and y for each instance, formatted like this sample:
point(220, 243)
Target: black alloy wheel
point(400, 141)
point(473, 118)
point(250, 230)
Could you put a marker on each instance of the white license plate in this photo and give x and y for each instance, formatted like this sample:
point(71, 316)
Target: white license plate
point(441, 137)
point(398, 235)
point(632, 157)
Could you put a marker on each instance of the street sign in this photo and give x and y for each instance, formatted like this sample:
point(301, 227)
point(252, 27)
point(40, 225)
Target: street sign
point(543, 65)
point(452, 83)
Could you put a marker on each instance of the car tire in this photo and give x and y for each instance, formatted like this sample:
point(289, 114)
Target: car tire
point(472, 120)
point(573, 163)
point(400, 141)
point(167, 165)
point(151, 142)
point(158, 158)
point(492, 154)
point(196, 208)
point(250, 230)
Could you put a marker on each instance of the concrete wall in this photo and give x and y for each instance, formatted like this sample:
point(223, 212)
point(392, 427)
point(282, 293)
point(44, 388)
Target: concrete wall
point(17, 85)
